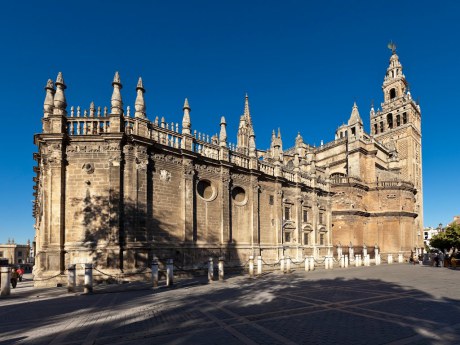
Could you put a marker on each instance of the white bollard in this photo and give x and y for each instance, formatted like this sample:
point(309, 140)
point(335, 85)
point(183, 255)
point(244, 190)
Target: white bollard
point(259, 265)
point(210, 270)
point(288, 264)
point(5, 278)
point(331, 262)
point(282, 264)
point(251, 266)
point(364, 251)
point(356, 260)
point(400, 258)
point(307, 264)
point(326, 263)
point(71, 278)
point(377, 259)
point(312, 263)
point(390, 258)
point(155, 272)
point(169, 272)
point(221, 268)
point(88, 283)
point(346, 261)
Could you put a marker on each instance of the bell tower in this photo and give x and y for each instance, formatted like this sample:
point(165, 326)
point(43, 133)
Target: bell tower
point(398, 125)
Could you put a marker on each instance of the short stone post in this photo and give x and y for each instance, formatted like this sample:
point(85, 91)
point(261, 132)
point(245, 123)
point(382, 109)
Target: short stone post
point(5, 278)
point(251, 266)
point(351, 252)
point(155, 272)
point(357, 260)
point(368, 260)
point(377, 259)
point(346, 260)
point(282, 264)
point(342, 262)
point(364, 250)
point(169, 272)
point(259, 265)
point(312, 263)
point(88, 283)
point(71, 278)
point(390, 258)
point(400, 258)
point(221, 268)
point(288, 264)
point(376, 250)
point(307, 263)
point(210, 270)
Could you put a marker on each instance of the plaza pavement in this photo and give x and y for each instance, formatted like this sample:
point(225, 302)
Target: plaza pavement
point(387, 304)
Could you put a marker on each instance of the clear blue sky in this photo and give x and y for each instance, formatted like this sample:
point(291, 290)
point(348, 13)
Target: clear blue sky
point(303, 64)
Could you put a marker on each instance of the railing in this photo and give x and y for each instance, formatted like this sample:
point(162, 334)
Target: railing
point(267, 168)
point(239, 159)
point(87, 126)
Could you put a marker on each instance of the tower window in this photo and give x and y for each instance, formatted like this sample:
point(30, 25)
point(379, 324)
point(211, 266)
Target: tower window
point(321, 239)
point(353, 131)
point(404, 118)
point(398, 120)
point(390, 121)
point(321, 218)
point(375, 128)
point(381, 126)
point(392, 93)
point(271, 200)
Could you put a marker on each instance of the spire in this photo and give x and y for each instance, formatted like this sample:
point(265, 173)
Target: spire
point(298, 140)
point(139, 104)
point(186, 124)
point(116, 101)
point(49, 98)
point(223, 132)
point(354, 117)
point(60, 103)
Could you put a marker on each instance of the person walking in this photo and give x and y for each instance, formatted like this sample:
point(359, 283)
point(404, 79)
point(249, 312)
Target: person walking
point(20, 271)
point(14, 278)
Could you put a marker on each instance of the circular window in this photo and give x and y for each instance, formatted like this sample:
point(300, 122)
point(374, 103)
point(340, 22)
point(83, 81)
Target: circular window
point(239, 195)
point(205, 190)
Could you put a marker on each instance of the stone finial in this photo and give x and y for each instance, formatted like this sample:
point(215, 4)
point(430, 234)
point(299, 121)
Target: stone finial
point(252, 143)
point(223, 132)
point(116, 101)
point(60, 102)
point(298, 140)
point(92, 109)
point(354, 117)
point(139, 104)
point(49, 98)
point(186, 124)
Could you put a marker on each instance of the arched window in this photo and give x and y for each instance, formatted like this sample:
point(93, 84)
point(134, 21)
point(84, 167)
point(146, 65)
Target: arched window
point(390, 120)
point(398, 120)
point(392, 93)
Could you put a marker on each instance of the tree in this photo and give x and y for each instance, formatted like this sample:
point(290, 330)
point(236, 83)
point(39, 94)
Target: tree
point(447, 240)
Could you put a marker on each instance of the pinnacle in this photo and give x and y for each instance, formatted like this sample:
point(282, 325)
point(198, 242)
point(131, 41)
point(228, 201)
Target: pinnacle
point(116, 78)
point(60, 79)
point(186, 105)
point(140, 85)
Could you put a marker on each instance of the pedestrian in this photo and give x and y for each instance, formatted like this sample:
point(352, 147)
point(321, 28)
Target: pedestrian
point(436, 259)
point(20, 271)
point(441, 259)
point(14, 277)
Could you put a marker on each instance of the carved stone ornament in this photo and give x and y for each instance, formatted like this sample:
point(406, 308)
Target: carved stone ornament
point(141, 164)
point(165, 175)
point(115, 159)
point(88, 168)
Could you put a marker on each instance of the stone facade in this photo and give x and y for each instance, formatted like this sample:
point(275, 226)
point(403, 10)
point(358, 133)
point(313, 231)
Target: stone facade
point(115, 189)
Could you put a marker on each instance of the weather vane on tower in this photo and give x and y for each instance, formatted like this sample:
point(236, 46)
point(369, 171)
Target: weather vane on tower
point(392, 46)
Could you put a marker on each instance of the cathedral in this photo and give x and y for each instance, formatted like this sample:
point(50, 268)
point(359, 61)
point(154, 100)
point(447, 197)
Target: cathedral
point(115, 188)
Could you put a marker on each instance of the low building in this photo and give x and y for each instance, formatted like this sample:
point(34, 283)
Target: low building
point(16, 254)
